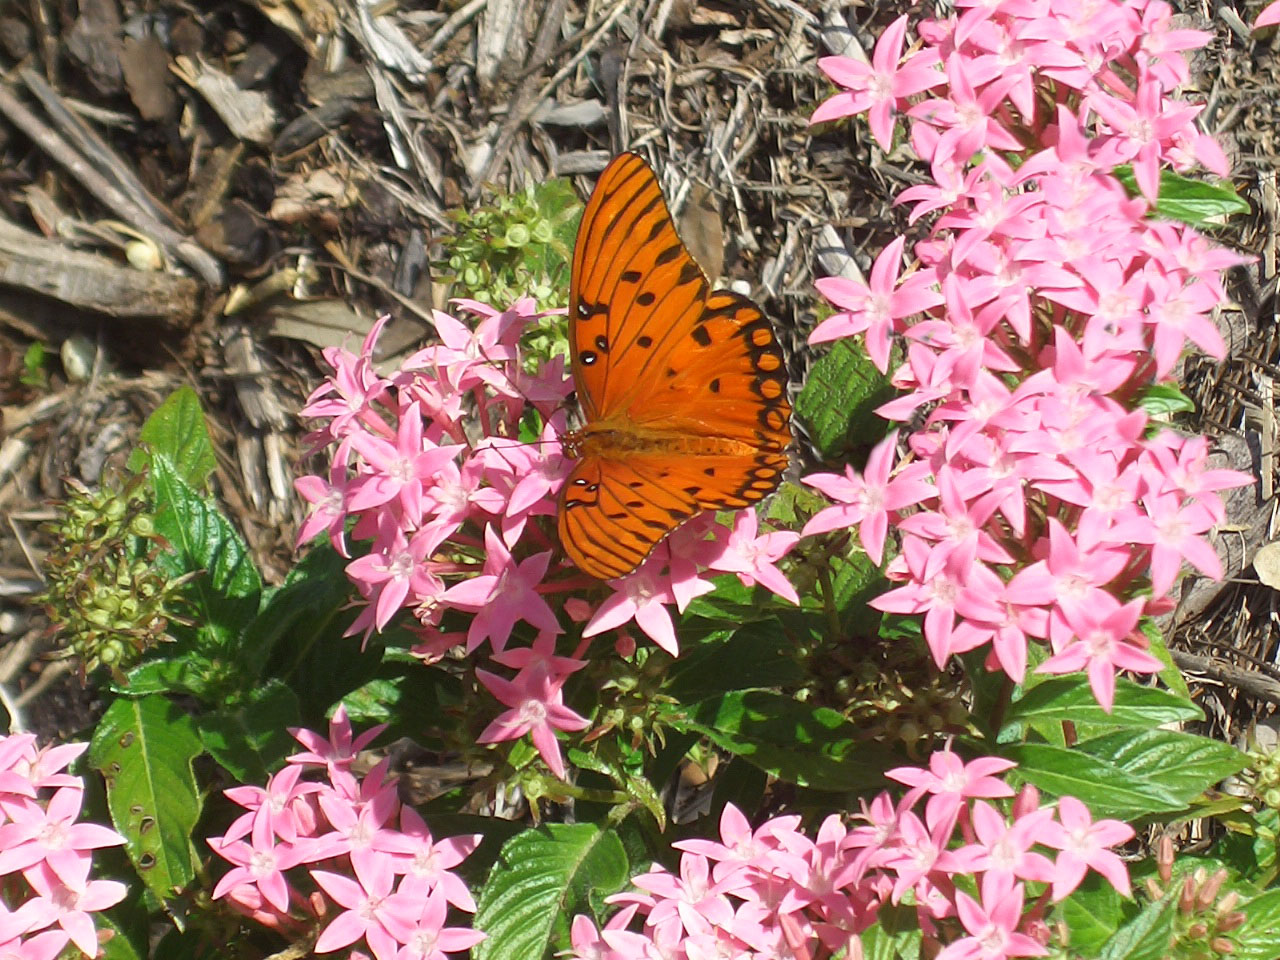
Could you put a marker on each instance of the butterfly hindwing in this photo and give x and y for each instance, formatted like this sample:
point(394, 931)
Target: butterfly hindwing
point(614, 511)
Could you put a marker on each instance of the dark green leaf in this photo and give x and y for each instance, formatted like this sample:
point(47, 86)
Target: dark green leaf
point(252, 739)
point(1259, 938)
point(796, 742)
point(543, 877)
point(1070, 698)
point(1251, 843)
point(1129, 773)
point(119, 946)
point(303, 608)
point(177, 431)
point(191, 674)
point(839, 398)
point(1092, 914)
point(1147, 936)
point(226, 595)
point(144, 748)
point(755, 656)
point(879, 944)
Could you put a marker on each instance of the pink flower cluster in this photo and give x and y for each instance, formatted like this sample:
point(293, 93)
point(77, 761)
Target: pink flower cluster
point(430, 463)
point(347, 853)
point(774, 892)
point(1035, 503)
point(46, 856)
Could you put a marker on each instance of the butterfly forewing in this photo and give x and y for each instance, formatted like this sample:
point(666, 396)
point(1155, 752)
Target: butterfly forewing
point(683, 390)
point(634, 289)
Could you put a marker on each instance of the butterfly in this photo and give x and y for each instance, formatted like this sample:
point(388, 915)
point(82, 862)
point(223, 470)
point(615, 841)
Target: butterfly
point(683, 389)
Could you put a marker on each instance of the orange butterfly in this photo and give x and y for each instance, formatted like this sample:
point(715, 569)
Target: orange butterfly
point(683, 389)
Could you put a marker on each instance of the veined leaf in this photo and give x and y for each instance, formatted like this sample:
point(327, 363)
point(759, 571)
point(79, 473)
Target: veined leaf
point(810, 746)
point(176, 430)
point(144, 748)
point(1070, 698)
point(226, 596)
point(839, 397)
point(542, 878)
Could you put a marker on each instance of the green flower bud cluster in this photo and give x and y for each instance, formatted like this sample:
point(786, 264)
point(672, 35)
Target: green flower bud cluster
point(105, 595)
point(1263, 775)
point(519, 246)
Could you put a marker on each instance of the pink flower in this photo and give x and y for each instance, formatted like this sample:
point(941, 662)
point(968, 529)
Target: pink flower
point(1106, 640)
point(397, 470)
point(640, 596)
point(371, 913)
point(337, 752)
point(429, 938)
point(537, 709)
point(50, 834)
point(260, 865)
point(875, 308)
point(1084, 844)
point(992, 925)
point(880, 86)
point(867, 500)
point(507, 592)
point(69, 904)
point(753, 557)
point(949, 781)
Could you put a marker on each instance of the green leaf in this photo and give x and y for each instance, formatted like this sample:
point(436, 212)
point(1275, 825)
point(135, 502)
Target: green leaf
point(802, 744)
point(879, 944)
point(252, 739)
point(1070, 698)
point(1259, 937)
point(304, 607)
point(1185, 764)
point(1129, 773)
point(177, 430)
point(542, 878)
point(1190, 201)
point(144, 748)
point(226, 597)
point(191, 674)
point(1251, 843)
point(1164, 400)
point(755, 656)
point(839, 398)
point(118, 946)
point(1171, 675)
point(1146, 937)
point(1092, 914)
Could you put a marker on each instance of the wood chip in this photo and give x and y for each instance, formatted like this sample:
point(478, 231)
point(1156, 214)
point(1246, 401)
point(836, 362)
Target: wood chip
point(248, 114)
point(30, 262)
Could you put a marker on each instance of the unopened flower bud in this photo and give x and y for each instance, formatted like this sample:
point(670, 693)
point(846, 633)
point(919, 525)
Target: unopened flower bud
point(1164, 858)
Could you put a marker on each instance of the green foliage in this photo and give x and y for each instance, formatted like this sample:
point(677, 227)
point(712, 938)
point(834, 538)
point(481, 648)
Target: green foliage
point(1189, 201)
point(520, 245)
point(144, 749)
point(35, 367)
point(542, 878)
point(838, 399)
